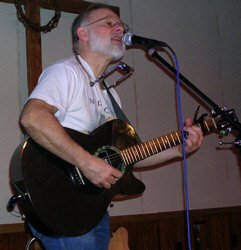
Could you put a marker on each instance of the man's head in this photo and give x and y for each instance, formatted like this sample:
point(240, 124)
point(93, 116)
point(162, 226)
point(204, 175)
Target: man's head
point(101, 29)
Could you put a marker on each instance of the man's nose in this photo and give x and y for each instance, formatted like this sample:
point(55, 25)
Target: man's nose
point(119, 27)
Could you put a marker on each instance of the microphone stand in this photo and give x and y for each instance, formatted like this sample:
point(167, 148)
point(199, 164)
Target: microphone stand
point(216, 109)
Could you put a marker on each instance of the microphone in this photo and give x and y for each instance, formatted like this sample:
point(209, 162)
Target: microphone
point(131, 39)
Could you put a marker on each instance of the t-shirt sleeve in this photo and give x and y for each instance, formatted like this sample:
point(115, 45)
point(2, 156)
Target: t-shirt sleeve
point(53, 88)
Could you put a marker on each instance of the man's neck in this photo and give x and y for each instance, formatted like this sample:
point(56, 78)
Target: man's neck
point(97, 62)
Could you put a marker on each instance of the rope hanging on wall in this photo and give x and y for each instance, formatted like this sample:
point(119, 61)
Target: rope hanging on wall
point(27, 23)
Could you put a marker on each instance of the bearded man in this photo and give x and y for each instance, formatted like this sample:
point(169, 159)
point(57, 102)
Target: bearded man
point(64, 97)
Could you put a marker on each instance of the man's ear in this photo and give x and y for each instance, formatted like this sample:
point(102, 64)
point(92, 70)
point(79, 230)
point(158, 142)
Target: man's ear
point(82, 33)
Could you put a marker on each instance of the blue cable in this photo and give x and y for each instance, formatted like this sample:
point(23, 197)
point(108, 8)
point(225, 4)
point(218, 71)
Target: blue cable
point(151, 51)
point(183, 150)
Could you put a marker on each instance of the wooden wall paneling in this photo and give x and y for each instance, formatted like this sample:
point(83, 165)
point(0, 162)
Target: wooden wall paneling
point(204, 230)
point(166, 233)
point(226, 232)
point(4, 241)
point(16, 240)
point(217, 226)
point(149, 235)
point(135, 233)
point(179, 233)
point(221, 230)
point(235, 230)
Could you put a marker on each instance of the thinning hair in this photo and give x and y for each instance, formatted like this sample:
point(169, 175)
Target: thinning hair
point(81, 19)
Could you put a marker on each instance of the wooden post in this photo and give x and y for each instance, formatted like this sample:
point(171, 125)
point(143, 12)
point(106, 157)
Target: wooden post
point(33, 47)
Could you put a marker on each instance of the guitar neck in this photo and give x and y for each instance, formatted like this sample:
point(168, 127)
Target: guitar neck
point(142, 151)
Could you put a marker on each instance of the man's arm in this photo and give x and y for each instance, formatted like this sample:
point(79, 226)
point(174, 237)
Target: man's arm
point(38, 120)
point(193, 142)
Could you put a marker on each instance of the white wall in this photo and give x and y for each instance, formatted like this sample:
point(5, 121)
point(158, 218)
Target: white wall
point(206, 38)
point(9, 101)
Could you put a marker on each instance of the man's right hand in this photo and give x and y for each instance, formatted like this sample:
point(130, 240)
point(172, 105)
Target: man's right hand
point(99, 172)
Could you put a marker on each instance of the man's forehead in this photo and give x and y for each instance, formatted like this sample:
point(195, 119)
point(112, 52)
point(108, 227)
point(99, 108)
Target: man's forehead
point(99, 13)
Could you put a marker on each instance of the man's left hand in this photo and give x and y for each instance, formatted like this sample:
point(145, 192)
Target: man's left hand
point(194, 138)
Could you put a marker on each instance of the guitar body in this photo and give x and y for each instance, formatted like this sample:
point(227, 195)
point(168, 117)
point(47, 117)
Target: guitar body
point(57, 198)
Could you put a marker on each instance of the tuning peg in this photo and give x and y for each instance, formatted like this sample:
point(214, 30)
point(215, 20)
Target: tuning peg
point(222, 143)
point(233, 143)
point(226, 130)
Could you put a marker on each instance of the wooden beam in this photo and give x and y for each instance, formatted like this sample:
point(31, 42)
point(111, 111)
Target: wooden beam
point(71, 6)
point(12, 228)
point(33, 47)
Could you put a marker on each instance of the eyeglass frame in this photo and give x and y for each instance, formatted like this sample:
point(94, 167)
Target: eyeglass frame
point(124, 25)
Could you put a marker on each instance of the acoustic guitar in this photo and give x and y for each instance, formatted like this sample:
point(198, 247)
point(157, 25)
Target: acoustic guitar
point(55, 196)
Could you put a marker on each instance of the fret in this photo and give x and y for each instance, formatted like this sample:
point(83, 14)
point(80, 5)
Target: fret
point(205, 123)
point(123, 155)
point(144, 150)
point(130, 154)
point(151, 147)
point(145, 144)
point(154, 147)
point(168, 141)
point(159, 144)
point(173, 140)
point(178, 137)
point(214, 123)
point(154, 143)
point(164, 144)
point(134, 153)
point(138, 147)
point(171, 143)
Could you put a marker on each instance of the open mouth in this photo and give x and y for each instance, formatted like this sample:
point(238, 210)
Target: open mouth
point(117, 39)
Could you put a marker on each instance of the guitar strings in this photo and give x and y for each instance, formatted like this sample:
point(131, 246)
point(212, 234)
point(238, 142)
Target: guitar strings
point(116, 156)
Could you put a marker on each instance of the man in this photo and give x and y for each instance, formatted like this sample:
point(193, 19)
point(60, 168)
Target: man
point(64, 98)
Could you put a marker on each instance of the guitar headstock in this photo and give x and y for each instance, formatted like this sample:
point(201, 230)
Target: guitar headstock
point(219, 121)
point(223, 120)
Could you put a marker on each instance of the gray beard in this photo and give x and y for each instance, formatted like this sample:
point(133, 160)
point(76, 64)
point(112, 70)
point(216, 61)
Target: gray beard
point(99, 45)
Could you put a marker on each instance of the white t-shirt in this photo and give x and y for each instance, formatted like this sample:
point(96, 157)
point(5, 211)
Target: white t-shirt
point(66, 85)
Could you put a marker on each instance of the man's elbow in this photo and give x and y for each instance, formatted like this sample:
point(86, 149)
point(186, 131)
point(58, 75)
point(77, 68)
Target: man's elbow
point(27, 120)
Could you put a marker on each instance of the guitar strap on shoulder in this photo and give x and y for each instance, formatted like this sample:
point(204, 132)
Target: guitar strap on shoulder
point(118, 111)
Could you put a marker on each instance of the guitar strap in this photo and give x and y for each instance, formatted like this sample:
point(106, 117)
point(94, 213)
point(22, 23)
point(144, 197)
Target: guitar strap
point(118, 111)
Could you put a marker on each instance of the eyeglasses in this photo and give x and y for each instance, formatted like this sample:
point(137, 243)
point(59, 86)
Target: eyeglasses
point(111, 22)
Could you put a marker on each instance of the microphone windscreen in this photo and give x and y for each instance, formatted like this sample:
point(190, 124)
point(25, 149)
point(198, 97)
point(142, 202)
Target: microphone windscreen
point(127, 39)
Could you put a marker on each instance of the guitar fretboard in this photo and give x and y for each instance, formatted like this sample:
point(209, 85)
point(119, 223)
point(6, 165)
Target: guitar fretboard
point(139, 152)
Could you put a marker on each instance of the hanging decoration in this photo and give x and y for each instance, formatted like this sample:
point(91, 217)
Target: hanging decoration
point(27, 23)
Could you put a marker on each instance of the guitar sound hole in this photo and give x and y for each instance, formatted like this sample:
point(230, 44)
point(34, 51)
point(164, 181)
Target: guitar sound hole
point(111, 155)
